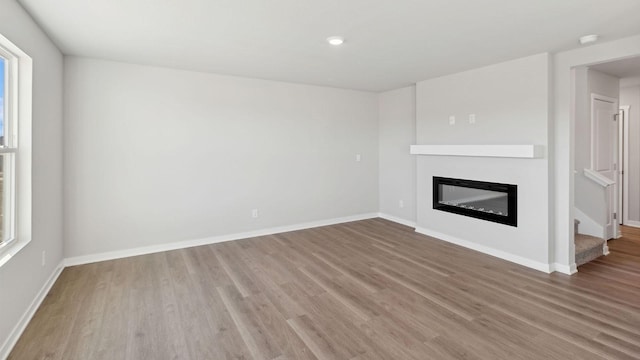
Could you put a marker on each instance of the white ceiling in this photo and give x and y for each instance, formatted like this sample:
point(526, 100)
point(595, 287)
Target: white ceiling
point(389, 43)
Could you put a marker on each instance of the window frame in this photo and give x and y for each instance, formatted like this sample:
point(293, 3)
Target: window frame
point(9, 147)
point(16, 149)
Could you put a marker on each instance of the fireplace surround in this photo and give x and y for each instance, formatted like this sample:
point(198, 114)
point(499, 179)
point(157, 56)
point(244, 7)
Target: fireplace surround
point(494, 202)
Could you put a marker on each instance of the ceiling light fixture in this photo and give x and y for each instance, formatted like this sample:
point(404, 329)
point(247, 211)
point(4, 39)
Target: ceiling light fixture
point(335, 40)
point(588, 39)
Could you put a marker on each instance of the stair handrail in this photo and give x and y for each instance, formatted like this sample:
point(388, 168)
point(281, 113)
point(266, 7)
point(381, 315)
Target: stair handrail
point(598, 178)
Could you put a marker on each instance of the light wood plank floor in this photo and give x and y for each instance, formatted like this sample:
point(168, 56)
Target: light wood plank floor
point(363, 290)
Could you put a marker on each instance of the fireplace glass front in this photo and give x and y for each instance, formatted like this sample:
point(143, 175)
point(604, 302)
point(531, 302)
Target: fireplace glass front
point(482, 200)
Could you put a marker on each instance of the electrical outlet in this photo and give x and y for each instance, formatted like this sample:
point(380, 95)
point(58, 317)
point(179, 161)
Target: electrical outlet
point(254, 213)
point(44, 257)
point(358, 157)
point(401, 204)
point(472, 118)
point(452, 120)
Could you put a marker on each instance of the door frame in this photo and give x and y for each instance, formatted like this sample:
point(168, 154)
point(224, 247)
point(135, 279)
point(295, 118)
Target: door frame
point(616, 156)
point(623, 160)
point(563, 151)
point(625, 110)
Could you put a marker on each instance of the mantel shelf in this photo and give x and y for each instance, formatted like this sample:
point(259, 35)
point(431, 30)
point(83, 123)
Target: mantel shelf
point(504, 151)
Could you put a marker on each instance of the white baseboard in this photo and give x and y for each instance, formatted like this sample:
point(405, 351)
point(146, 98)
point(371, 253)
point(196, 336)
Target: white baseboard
point(397, 220)
point(31, 310)
point(111, 255)
point(565, 269)
point(79, 260)
point(547, 268)
point(632, 223)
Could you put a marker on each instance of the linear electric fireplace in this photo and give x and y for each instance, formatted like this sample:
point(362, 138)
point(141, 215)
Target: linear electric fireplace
point(482, 200)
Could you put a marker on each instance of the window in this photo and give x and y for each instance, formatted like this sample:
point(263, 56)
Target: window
point(15, 149)
point(6, 172)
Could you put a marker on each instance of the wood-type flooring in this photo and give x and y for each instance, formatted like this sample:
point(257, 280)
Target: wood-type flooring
point(369, 289)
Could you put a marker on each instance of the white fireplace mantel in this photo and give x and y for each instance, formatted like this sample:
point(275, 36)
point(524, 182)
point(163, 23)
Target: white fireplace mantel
point(505, 151)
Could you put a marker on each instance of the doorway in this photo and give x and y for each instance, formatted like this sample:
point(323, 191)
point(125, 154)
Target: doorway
point(630, 214)
point(607, 148)
point(628, 198)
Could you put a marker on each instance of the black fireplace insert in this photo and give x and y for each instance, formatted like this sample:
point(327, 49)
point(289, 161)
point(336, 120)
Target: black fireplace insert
point(478, 199)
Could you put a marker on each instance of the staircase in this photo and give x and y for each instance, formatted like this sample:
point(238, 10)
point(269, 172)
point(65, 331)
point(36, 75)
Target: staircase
point(587, 247)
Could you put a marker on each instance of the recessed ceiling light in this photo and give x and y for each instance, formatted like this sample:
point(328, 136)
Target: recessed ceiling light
point(335, 40)
point(588, 39)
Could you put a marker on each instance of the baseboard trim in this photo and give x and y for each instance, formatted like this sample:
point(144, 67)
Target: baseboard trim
point(31, 310)
point(112, 255)
point(632, 223)
point(547, 268)
point(565, 269)
point(398, 220)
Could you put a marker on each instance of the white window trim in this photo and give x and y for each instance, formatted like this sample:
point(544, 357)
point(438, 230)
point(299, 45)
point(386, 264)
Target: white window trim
point(20, 84)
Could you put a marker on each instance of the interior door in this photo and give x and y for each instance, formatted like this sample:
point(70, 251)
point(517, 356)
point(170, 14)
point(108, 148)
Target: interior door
point(605, 155)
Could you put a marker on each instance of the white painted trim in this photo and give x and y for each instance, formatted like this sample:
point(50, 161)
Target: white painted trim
point(17, 331)
point(507, 151)
point(598, 178)
point(632, 223)
point(564, 269)
point(547, 268)
point(11, 250)
point(20, 99)
point(625, 164)
point(623, 155)
point(398, 220)
point(111, 255)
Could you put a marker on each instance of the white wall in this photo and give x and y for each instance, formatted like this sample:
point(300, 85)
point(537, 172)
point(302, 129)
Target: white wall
point(630, 96)
point(563, 154)
point(604, 84)
point(630, 81)
point(511, 104)
point(23, 276)
point(590, 198)
point(155, 155)
point(397, 114)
